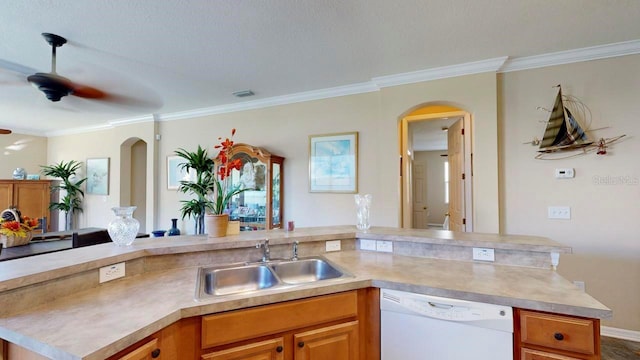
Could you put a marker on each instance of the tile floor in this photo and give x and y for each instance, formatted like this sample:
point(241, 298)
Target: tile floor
point(618, 349)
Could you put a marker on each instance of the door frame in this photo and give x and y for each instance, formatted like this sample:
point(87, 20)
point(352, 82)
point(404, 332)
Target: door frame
point(406, 165)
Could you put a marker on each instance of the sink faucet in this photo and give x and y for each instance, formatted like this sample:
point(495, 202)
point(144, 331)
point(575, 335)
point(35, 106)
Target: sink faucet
point(266, 253)
point(294, 257)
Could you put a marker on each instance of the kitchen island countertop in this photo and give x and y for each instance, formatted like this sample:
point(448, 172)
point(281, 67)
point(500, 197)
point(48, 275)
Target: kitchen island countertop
point(98, 321)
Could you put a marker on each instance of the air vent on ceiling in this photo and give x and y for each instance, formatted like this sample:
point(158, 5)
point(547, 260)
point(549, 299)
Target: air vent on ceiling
point(243, 93)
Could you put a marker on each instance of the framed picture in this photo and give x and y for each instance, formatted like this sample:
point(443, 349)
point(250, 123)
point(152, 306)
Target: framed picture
point(333, 163)
point(98, 176)
point(175, 173)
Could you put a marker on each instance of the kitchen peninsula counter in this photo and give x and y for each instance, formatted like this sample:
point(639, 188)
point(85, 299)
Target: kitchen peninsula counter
point(53, 305)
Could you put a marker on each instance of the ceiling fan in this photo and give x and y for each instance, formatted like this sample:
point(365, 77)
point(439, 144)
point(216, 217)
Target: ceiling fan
point(55, 86)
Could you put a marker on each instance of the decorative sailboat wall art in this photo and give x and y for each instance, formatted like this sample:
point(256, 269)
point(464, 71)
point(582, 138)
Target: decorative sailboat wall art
point(564, 136)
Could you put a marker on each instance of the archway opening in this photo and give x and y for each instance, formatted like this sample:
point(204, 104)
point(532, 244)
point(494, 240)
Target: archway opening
point(133, 178)
point(435, 152)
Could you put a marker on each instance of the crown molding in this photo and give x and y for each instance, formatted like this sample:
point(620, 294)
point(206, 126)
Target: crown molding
point(498, 65)
point(108, 125)
point(572, 56)
point(476, 67)
point(272, 101)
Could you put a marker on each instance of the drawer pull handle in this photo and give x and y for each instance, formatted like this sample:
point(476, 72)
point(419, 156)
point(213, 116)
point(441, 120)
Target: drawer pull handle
point(279, 349)
point(558, 336)
point(301, 344)
point(155, 353)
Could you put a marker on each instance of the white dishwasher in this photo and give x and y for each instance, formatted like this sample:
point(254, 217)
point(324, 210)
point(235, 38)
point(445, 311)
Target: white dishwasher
point(421, 327)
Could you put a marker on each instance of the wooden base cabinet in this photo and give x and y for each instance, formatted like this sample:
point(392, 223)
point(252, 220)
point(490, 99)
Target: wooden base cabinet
point(341, 326)
point(325, 327)
point(262, 350)
point(338, 342)
point(546, 336)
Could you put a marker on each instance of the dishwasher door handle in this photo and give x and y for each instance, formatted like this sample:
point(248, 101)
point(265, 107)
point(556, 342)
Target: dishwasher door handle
point(439, 305)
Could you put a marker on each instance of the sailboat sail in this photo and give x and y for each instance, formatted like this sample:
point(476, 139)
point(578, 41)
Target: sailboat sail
point(563, 131)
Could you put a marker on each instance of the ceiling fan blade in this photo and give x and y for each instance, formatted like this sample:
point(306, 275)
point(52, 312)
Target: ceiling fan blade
point(5, 131)
point(88, 92)
point(17, 68)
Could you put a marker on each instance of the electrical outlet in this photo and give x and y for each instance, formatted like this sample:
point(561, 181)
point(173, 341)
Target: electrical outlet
point(332, 245)
point(384, 246)
point(483, 254)
point(559, 212)
point(111, 272)
point(367, 244)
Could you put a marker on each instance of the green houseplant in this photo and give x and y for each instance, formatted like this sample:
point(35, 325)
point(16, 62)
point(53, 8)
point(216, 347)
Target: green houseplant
point(71, 202)
point(203, 166)
point(210, 186)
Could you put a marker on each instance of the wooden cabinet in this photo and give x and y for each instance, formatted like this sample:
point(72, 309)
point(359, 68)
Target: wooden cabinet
point(178, 341)
point(542, 336)
point(31, 197)
point(261, 207)
point(322, 327)
point(262, 350)
point(338, 342)
point(146, 351)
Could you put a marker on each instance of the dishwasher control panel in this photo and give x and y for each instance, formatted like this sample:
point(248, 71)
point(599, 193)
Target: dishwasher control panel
point(475, 313)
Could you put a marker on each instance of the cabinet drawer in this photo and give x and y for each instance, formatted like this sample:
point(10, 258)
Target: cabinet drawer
point(558, 332)
point(528, 354)
point(251, 323)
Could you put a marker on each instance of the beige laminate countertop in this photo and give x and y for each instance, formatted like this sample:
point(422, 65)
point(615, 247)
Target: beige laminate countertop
point(97, 322)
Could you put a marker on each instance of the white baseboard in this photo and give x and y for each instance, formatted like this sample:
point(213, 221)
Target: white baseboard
point(620, 333)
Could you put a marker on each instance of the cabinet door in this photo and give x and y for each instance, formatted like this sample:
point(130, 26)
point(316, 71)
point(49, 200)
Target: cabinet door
point(264, 350)
point(32, 199)
point(338, 342)
point(528, 354)
point(6, 195)
point(146, 351)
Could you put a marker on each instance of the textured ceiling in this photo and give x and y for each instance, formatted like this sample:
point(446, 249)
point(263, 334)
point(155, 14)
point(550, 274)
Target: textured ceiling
point(168, 56)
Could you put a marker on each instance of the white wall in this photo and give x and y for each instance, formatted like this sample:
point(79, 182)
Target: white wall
point(284, 130)
point(25, 151)
point(602, 228)
point(102, 144)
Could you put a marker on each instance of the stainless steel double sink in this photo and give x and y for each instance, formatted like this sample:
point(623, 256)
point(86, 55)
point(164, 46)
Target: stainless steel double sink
point(250, 277)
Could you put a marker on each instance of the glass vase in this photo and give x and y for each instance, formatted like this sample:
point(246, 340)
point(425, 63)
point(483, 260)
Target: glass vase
point(174, 228)
point(364, 203)
point(124, 228)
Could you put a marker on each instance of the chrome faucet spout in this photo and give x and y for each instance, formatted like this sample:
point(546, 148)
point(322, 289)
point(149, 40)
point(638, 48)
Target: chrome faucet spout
point(266, 253)
point(294, 257)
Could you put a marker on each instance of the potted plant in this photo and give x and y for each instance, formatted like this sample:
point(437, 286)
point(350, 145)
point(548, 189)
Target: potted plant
point(211, 185)
point(203, 166)
point(73, 194)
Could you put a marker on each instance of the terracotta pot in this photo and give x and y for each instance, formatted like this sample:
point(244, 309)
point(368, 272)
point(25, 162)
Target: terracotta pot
point(233, 228)
point(217, 225)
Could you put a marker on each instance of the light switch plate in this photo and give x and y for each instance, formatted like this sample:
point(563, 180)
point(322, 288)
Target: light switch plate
point(559, 212)
point(112, 272)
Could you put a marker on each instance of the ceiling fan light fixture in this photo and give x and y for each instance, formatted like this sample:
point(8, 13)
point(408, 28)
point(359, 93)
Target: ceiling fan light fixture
point(53, 86)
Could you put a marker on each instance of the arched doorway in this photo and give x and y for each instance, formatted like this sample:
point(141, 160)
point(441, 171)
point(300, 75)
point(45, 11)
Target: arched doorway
point(452, 124)
point(133, 178)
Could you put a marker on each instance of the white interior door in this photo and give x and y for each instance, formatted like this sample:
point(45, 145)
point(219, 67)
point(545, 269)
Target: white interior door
point(455, 154)
point(420, 208)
